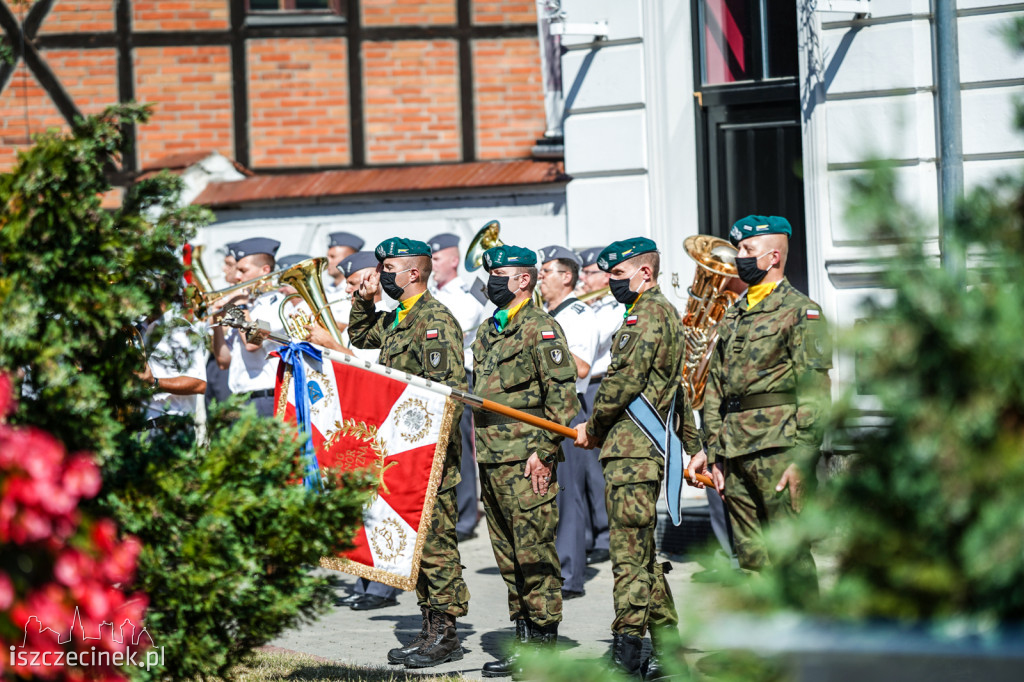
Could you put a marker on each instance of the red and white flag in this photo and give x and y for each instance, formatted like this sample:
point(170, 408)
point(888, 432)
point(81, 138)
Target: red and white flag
point(400, 433)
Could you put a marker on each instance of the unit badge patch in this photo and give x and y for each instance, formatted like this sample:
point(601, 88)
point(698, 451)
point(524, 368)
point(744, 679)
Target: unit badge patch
point(556, 356)
point(434, 358)
point(624, 340)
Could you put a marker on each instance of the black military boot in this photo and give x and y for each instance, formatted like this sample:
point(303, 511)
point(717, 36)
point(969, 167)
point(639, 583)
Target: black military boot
point(546, 635)
point(626, 652)
point(442, 643)
point(398, 655)
point(506, 666)
point(651, 668)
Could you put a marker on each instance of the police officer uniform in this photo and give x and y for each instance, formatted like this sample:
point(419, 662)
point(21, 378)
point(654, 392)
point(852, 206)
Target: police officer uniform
point(608, 318)
point(456, 296)
point(766, 401)
point(579, 324)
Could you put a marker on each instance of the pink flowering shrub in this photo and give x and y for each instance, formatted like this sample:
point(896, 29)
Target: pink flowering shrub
point(62, 574)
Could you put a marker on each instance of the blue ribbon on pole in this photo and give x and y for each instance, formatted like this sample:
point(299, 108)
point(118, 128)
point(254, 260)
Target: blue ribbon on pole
point(659, 431)
point(292, 355)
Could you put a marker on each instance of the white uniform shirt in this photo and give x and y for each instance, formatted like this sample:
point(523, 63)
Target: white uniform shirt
point(180, 351)
point(609, 318)
point(455, 296)
point(256, 371)
point(579, 325)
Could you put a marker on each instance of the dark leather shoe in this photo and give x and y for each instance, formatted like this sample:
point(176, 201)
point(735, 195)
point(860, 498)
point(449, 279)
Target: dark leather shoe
point(369, 602)
point(462, 537)
point(598, 556)
point(348, 600)
point(572, 594)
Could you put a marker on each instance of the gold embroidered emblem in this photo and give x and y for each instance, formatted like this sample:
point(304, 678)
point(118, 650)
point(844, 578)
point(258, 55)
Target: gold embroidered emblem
point(374, 449)
point(389, 541)
point(412, 420)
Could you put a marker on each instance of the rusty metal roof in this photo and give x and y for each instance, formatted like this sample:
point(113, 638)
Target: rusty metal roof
point(337, 183)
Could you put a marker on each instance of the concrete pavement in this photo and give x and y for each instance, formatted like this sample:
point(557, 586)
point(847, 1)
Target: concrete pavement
point(364, 637)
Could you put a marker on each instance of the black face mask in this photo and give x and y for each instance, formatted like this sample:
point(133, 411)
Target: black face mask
point(621, 291)
point(498, 291)
point(748, 271)
point(387, 282)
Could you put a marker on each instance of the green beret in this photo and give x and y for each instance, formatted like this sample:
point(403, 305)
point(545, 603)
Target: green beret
point(620, 251)
point(506, 256)
point(397, 247)
point(754, 225)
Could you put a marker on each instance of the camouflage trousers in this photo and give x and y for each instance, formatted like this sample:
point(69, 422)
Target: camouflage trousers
point(440, 586)
point(640, 593)
point(522, 525)
point(753, 504)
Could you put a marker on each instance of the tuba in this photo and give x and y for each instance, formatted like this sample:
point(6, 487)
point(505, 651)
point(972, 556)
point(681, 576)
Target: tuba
point(487, 238)
point(708, 301)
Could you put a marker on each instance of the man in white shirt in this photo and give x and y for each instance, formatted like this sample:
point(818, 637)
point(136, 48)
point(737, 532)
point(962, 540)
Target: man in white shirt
point(608, 313)
point(217, 378)
point(250, 370)
point(340, 246)
point(175, 365)
point(558, 275)
point(448, 288)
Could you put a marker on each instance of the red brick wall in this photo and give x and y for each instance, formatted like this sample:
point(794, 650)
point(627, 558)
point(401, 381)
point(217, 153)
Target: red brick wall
point(504, 11)
point(408, 12)
point(89, 78)
point(411, 94)
point(509, 97)
point(192, 89)
point(75, 16)
point(179, 15)
point(298, 102)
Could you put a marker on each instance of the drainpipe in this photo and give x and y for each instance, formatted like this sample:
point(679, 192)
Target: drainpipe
point(951, 153)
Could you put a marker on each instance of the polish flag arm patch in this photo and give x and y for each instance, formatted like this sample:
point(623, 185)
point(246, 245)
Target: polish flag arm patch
point(813, 314)
point(547, 335)
point(631, 320)
point(431, 333)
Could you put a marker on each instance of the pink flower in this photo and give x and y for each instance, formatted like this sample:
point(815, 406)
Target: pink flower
point(82, 477)
point(6, 592)
point(104, 535)
point(8, 403)
point(120, 564)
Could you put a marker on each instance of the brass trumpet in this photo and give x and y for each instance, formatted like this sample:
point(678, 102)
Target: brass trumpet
point(307, 279)
point(200, 300)
point(594, 295)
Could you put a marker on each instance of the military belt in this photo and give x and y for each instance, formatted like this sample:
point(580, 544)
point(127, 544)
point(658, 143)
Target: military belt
point(484, 418)
point(734, 403)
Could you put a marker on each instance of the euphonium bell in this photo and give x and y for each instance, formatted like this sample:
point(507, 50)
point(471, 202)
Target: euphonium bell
point(307, 279)
point(708, 301)
point(486, 238)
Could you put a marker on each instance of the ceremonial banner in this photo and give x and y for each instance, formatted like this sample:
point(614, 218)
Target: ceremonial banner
point(399, 432)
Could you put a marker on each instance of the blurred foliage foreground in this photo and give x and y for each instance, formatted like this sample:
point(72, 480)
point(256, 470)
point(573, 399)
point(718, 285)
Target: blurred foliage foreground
point(224, 543)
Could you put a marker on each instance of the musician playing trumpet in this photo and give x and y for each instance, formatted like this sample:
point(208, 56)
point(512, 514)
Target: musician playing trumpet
point(250, 370)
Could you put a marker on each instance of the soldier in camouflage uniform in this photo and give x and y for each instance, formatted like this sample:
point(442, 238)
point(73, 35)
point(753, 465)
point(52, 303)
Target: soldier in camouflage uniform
point(422, 337)
point(647, 358)
point(767, 395)
point(521, 359)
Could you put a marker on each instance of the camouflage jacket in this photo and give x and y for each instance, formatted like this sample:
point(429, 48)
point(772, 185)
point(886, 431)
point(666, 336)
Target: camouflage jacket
point(427, 343)
point(647, 357)
point(781, 346)
point(527, 366)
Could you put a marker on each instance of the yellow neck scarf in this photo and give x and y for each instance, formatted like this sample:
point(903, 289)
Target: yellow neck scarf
point(405, 306)
point(758, 292)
